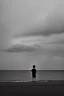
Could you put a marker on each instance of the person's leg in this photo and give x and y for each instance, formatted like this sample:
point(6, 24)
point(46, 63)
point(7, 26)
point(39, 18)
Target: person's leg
point(32, 79)
point(35, 78)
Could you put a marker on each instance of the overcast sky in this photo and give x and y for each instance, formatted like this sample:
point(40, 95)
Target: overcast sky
point(31, 32)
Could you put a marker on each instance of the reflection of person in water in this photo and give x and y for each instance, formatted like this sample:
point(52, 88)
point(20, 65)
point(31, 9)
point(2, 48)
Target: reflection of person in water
point(33, 73)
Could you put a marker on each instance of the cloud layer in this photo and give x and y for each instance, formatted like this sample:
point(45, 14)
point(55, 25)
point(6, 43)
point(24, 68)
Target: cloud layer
point(50, 45)
point(53, 24)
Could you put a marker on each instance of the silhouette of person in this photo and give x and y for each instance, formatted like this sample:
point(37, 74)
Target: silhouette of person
point(33, 73)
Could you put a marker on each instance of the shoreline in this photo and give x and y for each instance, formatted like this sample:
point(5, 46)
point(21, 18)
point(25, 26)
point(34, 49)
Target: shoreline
point(38, 83)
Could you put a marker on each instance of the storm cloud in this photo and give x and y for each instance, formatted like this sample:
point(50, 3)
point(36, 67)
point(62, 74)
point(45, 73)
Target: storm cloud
point(53, 44)
point(17, 48)
point(54, 24)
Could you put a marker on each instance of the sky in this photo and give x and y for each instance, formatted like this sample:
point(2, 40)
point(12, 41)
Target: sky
point(31, 32)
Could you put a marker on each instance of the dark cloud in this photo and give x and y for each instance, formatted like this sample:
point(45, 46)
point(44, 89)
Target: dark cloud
point(19, 48)
point(44, 51)
point(54, 24)
point(39, 32)
point(55, 49)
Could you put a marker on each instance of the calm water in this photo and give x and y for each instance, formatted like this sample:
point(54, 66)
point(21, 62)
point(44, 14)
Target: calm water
point(25, 75)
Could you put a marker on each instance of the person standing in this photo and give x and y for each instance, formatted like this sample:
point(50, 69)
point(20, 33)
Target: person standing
point(33, 73)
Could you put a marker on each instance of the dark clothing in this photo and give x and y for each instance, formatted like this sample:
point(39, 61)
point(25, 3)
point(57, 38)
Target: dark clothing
point(33, 73)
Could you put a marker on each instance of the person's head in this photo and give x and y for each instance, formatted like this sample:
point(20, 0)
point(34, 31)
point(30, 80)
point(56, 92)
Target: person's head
point(34, 66)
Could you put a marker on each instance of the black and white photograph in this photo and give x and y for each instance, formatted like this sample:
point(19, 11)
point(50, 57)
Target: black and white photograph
point(31, 47)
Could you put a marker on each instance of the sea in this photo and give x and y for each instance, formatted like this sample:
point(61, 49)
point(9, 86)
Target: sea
point(26, 75)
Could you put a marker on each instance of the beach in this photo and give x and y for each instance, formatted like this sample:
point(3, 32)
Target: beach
point(38, 88)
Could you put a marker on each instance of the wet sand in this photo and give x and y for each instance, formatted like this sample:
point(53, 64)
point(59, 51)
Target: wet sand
point(38, 88)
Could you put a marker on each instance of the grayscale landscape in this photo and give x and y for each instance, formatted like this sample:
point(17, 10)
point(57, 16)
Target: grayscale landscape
point(32, 33)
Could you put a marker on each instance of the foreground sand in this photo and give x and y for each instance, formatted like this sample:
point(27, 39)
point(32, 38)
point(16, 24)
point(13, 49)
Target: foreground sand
point(39, 88)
